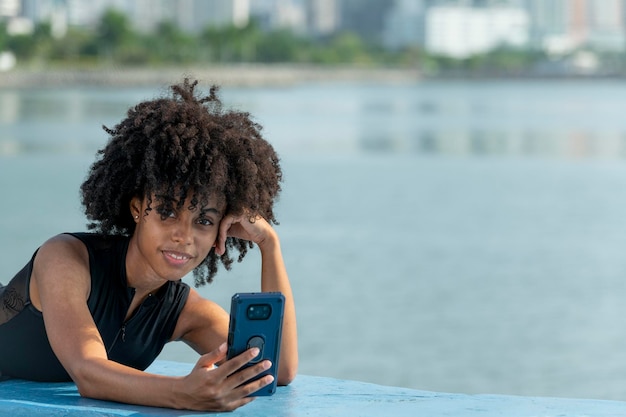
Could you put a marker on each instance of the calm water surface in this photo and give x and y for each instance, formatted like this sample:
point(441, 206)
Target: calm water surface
point(441, 236)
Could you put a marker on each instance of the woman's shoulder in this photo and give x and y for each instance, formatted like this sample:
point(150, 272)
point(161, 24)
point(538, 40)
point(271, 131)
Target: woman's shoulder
point(65, 243)
point(82, 245)
point(61, 255)
point(98, 240)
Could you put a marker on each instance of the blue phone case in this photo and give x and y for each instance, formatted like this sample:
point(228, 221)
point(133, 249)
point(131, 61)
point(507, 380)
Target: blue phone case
point(256, 319)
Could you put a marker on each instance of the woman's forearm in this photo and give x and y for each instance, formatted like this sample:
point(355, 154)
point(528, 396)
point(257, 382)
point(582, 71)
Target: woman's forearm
point(274, 278)
point(205, 388)
point(107, 380)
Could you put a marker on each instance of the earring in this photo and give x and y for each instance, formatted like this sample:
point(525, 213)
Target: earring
point(136, 217)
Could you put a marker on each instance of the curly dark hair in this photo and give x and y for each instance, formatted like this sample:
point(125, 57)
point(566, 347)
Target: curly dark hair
point(179, 146)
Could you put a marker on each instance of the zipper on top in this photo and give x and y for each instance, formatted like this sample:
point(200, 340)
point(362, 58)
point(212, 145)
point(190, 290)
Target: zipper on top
point(122, 331)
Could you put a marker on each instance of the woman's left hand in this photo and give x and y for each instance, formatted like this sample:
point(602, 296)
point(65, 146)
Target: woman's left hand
point(253, 228)
point(256, 229)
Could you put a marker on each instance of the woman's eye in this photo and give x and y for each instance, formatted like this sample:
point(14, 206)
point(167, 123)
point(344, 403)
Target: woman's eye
point(167, 214)
point(205, 222)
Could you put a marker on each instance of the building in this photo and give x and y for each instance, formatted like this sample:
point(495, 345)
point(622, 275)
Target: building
point(366, 18)
point(144, 15)
point(9, 8)
point(562, 26)
point(195, 15)
point(606, 29)
point(456, 28)
point(322, 17)
point(404, 24)
point(558, 26)
point(460, 31)
point(279, 14)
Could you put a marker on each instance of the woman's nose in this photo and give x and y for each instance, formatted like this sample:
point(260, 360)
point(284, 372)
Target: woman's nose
point(183, 232)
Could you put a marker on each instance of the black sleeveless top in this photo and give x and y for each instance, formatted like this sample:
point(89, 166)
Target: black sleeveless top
point(24, 348)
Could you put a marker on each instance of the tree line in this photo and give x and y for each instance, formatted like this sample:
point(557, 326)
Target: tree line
point(114, 41)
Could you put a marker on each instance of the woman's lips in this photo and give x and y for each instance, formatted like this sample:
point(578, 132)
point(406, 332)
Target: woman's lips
point(176, 258)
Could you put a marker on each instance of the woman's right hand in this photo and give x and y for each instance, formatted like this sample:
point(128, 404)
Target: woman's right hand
point(223, 388)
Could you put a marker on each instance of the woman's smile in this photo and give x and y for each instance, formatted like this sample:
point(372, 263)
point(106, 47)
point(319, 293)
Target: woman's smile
point(176, 258)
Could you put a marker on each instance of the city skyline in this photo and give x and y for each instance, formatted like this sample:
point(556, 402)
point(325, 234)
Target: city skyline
point(455, 28)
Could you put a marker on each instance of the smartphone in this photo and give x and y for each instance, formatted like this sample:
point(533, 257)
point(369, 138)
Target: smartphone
point(256, 320)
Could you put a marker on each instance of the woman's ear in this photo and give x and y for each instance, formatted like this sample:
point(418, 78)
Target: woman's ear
point(135, 208)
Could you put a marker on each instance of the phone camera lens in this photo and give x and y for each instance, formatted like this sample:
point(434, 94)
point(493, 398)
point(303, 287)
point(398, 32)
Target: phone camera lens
point(259, 312)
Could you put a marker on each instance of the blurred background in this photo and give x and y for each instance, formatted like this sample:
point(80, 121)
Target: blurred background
point(436, 37)
point(452, 214)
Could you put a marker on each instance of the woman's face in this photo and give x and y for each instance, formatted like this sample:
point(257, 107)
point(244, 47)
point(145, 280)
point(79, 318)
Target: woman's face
point(171, 242)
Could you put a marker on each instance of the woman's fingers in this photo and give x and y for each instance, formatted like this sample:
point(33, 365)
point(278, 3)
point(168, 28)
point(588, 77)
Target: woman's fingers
point(247, 226)
point(227, 386)
point(220, 242)
point(235, 364)
point(252, 387)
point(242, 376)
point(210, 359)
point(232, 367)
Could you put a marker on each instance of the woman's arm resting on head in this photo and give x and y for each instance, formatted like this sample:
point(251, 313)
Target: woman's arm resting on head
point(273, 278)
point(60, 287)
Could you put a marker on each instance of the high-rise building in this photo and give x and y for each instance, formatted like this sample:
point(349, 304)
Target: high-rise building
point(146, 15)
point(459, 31)
point(550, 26)
point(279, 14)
point(366, 18)
point(404, 24)
point(606, 29)
point(562, 26)
point(52, 11)
point(322, 16)
point(10, 8)
point(195, 15)
point(85, 13)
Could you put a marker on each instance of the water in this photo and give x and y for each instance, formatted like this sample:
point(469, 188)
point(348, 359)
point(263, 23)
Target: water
point(463, 237)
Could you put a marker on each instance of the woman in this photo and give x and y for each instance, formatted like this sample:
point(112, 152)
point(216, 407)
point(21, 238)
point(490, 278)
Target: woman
point(181, 184)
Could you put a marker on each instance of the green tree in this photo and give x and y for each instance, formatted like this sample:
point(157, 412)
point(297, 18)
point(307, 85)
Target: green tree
point(113, 32)
point(278, 46)
point(43, 31)
point(23, 46)
point(231, 43)
point(42, 35)
point(350, 48)
point(78, 45)
point(243, 42)
point(3, 35)
point(170, 44)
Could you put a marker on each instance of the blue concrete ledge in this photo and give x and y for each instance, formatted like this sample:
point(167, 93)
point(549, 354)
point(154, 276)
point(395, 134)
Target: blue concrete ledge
point(306, 396)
